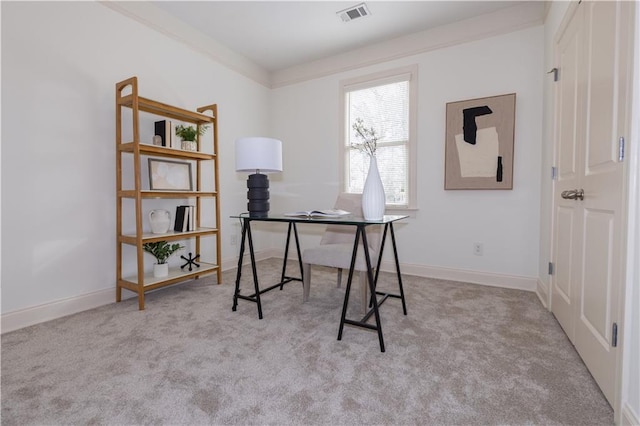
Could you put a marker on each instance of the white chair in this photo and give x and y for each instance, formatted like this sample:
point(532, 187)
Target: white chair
point(336, 248)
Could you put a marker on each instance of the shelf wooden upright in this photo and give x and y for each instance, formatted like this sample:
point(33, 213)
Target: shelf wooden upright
point(127, 98)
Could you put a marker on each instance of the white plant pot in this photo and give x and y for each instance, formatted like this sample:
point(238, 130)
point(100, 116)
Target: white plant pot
point(189, 146)
point(373, 199)
point(160, 270)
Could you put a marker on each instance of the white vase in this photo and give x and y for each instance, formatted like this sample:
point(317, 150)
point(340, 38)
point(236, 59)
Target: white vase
point(160, 270)
point(373, 199)
point(160, 221)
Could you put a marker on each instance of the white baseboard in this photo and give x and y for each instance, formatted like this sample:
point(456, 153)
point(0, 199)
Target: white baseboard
point(246, 259)
point(60, 308)
point(33, 315)
point(467, 276)
point(628, 416)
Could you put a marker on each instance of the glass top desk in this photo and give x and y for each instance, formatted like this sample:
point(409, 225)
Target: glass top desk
point(360, 224)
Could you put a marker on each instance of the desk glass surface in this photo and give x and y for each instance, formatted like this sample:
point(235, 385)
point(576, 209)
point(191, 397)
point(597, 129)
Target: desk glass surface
point(341, 220)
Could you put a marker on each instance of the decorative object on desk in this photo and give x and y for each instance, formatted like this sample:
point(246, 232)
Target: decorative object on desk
point(189, 134)
point(190, 261)
point(165, 175)
point(479, 143)
point(161, 250)
point(260, 155)
point(320, 213)
point(373, 198)
point(157, 140)
point(160, 221)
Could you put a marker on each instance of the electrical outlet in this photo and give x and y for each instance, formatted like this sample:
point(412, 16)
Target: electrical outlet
point(477, 249)
point(233, 240)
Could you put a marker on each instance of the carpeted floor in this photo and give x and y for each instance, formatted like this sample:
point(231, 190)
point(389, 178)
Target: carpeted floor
point(464, 355)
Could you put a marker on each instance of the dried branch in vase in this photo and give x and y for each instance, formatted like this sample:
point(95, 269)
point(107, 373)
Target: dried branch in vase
point(367, 137)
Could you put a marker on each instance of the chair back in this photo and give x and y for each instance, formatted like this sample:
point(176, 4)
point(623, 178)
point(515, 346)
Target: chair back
point(338, 234)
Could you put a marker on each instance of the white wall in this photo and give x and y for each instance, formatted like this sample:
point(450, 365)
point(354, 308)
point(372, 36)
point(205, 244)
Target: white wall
point(60, 63)
point(440, 235)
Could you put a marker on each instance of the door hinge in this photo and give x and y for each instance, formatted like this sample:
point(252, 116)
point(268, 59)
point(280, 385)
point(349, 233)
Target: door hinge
point(550, 268)
point(614, 335)
point(554, 173)
point(555, 74)
point(621, 148)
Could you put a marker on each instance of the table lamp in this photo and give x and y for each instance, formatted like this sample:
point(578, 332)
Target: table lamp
point(260, 155)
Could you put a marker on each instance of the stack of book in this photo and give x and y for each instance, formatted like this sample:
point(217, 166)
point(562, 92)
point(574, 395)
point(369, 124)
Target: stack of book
point(185, 218)
point(167, 131)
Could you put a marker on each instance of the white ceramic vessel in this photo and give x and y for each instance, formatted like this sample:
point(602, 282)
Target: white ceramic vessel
point(160, 221)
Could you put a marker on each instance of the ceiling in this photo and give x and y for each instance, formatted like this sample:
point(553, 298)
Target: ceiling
point(277, 35)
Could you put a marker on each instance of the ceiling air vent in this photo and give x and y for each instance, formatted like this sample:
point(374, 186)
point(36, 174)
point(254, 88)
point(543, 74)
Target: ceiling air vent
point(354, 12)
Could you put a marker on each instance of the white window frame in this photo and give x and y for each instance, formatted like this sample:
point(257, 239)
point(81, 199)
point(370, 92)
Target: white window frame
point(408, 73)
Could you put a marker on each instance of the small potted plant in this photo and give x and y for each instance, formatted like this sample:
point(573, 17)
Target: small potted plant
point(161, 250)
point(188, 134)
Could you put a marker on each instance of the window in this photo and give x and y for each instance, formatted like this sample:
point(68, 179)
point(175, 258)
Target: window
point(386, 103)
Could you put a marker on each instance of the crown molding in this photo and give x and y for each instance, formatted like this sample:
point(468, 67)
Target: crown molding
point(507, 20)
point(157, 19)
point(483, 26)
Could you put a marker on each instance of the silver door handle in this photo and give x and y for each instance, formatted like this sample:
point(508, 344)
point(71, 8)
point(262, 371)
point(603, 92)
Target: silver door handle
point(573, 194)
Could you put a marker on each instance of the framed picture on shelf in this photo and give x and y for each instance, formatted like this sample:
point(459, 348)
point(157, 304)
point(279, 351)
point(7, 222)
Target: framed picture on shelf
point(165, 175)
point(479, 143)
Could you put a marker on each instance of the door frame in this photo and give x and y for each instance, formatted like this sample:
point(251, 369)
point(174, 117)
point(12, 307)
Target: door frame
point(623, 412)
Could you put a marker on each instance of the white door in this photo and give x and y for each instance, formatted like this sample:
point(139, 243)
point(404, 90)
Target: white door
point(589, 192)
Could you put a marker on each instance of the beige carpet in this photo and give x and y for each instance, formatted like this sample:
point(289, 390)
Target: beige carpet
point(465, 354)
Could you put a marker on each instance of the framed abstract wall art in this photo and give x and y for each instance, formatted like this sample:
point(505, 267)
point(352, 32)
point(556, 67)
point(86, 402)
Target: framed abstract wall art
point(166, 175)
point(479, 143)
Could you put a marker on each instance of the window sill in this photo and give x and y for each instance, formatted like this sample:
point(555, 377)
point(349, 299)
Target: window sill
point(410, 211)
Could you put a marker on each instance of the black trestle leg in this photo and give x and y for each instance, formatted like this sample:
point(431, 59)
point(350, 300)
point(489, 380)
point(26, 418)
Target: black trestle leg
point(255, 272)
point(372, 287)
point(239, 272)
point(395, 255)
point(348, 289)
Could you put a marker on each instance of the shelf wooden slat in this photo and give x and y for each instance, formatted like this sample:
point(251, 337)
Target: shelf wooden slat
point(169, 236)
point(147, 149)
point(131, 193)
point(175, 275)
point(159, 108)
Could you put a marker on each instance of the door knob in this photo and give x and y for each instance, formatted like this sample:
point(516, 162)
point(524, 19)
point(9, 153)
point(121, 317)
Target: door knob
point(573, 194)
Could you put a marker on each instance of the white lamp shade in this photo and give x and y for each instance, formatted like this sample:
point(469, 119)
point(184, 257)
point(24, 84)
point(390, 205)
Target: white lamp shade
point(258, 153)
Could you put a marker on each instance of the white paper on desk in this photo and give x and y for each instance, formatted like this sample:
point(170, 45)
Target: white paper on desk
point(320, 213)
